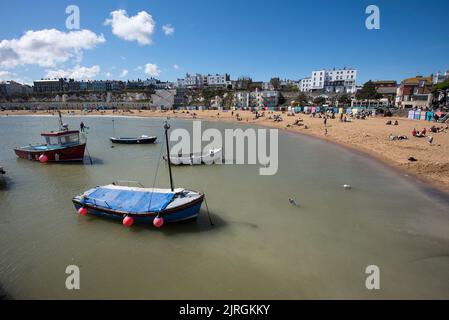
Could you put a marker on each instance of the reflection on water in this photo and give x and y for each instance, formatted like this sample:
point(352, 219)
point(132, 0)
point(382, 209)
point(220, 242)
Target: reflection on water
point(260, 247)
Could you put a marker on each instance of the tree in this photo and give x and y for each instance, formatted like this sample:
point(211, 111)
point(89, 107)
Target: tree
point(276, 83)
point(440, 94)
point(291, 88)
point(281, 99)
point(319, 100)
point(368, 92)
point(303, 99)
point(344, 99)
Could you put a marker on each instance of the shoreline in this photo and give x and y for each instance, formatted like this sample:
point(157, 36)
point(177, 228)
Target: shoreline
point(370, 140)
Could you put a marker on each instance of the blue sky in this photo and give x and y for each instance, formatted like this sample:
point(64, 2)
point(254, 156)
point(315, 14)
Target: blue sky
point(262, 39)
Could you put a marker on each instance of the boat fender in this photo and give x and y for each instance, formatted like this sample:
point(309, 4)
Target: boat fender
point(82, 211)
point(43, 158)
point(158, 222)
point(128, 221)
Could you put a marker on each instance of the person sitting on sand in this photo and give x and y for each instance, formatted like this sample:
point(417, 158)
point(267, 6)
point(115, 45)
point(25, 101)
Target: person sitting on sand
point(414, 132)
point(388, 123)
point(396, 123)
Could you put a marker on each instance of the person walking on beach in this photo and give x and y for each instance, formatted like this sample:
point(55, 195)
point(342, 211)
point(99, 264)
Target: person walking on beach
point(82, 126)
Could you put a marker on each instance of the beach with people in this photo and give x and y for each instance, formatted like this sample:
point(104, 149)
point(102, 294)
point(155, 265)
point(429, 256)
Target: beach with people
point(388, 139)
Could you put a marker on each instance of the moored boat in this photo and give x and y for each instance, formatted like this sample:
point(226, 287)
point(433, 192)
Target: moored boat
point(210, 157)
point(141, 205)
point(62, 145)
point(143, 139)
point(2, 171)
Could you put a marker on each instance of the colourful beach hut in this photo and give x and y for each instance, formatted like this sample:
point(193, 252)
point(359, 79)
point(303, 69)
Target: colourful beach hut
point(423, 115)
point(429, 116)
point(411, 114)
point(417, 115)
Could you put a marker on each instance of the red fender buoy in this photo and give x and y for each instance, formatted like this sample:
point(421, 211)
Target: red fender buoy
point(158, 222)
point(43, 158)
point(128, 221)
point(82, 211)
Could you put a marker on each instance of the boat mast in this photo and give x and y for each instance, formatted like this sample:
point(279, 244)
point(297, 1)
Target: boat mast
point(166, 127)
point(61, 124)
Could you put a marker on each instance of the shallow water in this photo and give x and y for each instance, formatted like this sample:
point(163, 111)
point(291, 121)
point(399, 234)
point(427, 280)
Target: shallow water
point(261, 247)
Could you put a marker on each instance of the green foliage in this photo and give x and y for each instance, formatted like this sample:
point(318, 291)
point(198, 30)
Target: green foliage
point(442, 86)
point(319, 100)
point(303, 99)
point(290, 88)
point(344, 99)
point(276, 83)
point(368, 92)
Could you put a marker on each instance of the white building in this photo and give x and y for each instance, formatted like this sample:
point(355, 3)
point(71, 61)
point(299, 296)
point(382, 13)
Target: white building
point(438, 78)
point(336, 80)
point(199, 81)
point(218, 80)
point(191, 81)
point(265, 98)
point(305, 84)
point(242, 99)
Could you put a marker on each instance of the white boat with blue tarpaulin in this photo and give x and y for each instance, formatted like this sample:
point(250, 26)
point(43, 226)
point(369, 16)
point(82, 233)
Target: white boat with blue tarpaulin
point(139, 204)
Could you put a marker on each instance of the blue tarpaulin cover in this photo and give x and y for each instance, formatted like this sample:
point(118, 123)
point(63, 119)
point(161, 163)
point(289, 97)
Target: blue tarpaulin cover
point(129, 200)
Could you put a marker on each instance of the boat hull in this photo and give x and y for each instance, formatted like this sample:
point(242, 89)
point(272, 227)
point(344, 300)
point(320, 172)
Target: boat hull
point(134, 140)
point(186, 212)
point(72, 153)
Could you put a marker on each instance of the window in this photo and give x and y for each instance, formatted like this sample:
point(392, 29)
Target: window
point(52, 141)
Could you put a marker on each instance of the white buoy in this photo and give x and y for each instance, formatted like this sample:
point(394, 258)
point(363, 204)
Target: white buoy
point(347, 186)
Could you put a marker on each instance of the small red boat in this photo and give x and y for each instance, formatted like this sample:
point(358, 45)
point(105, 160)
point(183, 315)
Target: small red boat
point(62, 145)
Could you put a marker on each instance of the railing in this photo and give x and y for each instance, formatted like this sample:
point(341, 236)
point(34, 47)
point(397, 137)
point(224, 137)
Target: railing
point(127, 183)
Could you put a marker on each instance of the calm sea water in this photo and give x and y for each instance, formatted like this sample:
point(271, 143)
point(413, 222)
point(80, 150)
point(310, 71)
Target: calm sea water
point(261, 247)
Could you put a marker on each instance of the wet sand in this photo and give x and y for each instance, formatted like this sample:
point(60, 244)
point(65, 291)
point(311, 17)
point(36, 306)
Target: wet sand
point(369, 136)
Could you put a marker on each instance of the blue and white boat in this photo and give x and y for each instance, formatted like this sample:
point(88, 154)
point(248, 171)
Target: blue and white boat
point(139, 204)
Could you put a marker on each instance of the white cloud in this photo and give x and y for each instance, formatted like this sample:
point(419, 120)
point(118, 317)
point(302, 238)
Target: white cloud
point(152, 70)
point(138, 28)
point(6, 75)
point(10, 76)
point(77, 73)
point(47, 48)
point(176, 67)
point(168, 29)
point(124, 73)
point(108, 75)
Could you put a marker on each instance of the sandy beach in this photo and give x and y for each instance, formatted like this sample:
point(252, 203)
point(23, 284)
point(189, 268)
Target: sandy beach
point(370, 136)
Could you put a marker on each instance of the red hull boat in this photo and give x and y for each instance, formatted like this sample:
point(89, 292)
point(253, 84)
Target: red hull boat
point(67, 153)
point(62, 145)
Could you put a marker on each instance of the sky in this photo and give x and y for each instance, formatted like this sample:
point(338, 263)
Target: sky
point(166, 39)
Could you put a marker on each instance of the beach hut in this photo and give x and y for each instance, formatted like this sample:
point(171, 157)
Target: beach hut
point(429, 116)
point(411, 114)
point(423, 115)
point(317, 109)
point(417, 115)
point(313, 109)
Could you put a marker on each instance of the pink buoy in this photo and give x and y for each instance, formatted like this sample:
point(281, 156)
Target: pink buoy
point(158, 222)
point(128, 221)
point(43, 158)
point(82, 211)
